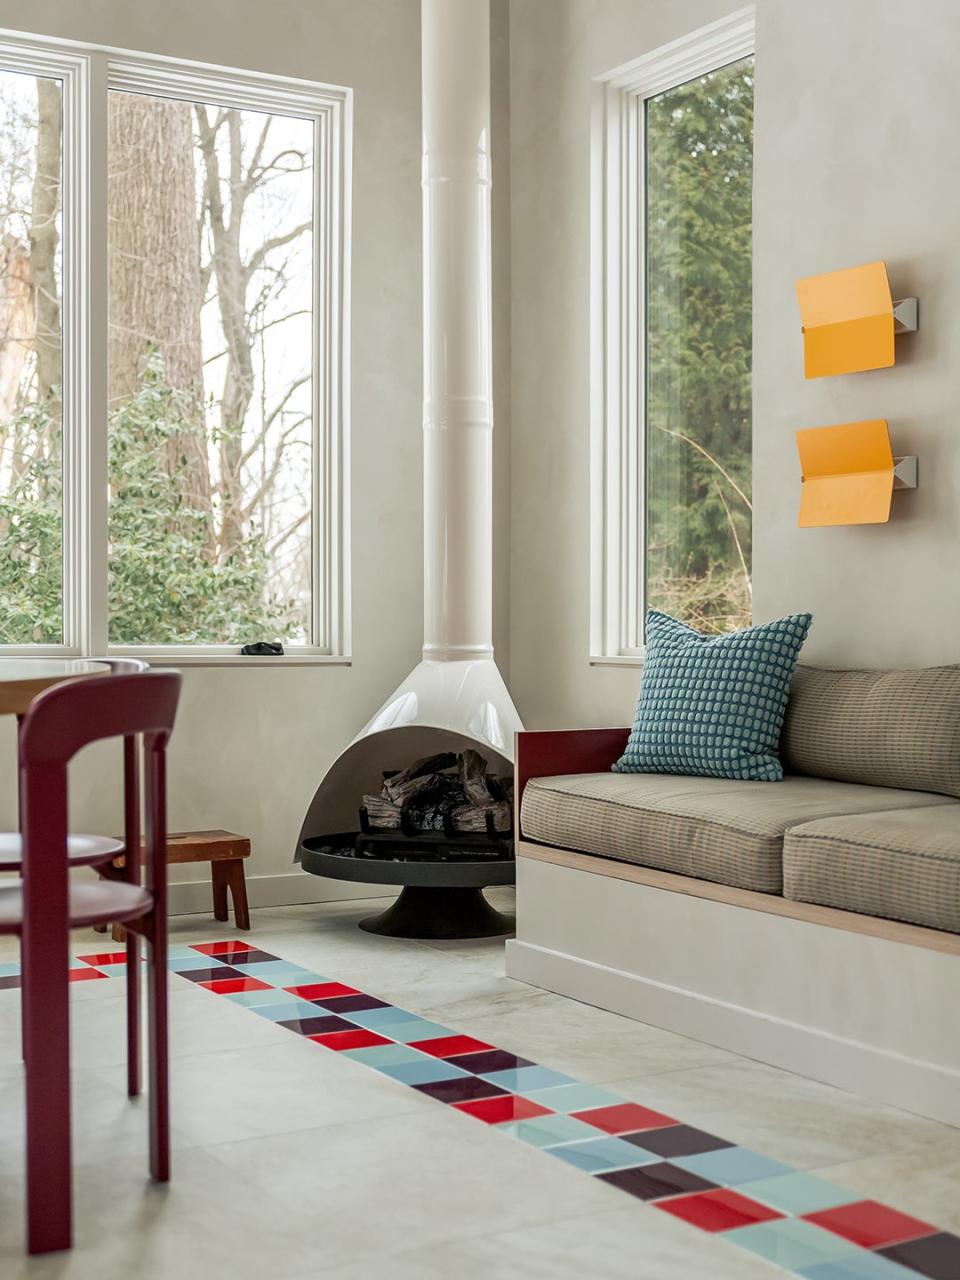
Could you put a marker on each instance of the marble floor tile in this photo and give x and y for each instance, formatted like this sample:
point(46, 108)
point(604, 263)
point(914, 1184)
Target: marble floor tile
point(801, 1122)
point(422, 1179)
point(635, 1243)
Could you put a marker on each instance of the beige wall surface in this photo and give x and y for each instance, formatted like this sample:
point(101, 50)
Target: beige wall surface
point(251, 745)
point(856, 159)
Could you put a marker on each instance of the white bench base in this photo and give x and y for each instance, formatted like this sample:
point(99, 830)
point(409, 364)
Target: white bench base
point(866, 1005)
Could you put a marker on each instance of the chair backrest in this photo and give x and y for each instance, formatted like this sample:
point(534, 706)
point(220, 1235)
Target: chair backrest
point(69, 716)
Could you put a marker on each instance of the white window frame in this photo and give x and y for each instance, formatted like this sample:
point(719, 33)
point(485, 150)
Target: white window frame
point(617, 302)
point(88, 73)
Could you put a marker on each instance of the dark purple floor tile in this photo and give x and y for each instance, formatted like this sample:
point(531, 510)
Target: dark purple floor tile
point(250, 957)
point(936, 1257)
point(675, 1140)
point(491, 1060)
point(656, 1181)
point(351, 1004)
point(461, 1089)
point(210, 975)
point(12, 981)
point(318, 1026)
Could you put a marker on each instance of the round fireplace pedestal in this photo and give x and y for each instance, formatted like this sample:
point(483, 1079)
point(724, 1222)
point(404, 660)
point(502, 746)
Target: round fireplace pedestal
point(439, 913)
point(440, 899)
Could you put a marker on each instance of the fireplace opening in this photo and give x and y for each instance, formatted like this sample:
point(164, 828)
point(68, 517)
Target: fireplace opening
point(443, 828)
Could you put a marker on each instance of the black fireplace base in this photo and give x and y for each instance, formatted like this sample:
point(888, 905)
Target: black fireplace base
point(439, 913)
point(442, 896)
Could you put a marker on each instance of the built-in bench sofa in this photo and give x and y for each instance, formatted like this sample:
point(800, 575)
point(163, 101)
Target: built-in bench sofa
point(813, 923)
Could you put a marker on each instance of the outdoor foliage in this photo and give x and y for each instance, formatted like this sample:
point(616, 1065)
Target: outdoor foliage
point(699, 316)
point(162, 580)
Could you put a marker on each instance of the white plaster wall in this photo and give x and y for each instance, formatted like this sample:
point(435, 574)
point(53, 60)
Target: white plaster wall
point(857, 158)
point(251, 745)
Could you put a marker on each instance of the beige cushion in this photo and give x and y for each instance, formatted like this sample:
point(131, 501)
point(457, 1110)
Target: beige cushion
point(884, 728)
point(903, 864)
point(713, 828)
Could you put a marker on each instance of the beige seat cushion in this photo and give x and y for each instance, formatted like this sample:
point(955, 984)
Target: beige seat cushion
point(902, 864)
point(712, 828)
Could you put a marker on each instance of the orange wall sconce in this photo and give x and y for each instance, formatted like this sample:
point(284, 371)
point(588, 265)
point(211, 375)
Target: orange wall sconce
point(849, 474)
point(849, 320)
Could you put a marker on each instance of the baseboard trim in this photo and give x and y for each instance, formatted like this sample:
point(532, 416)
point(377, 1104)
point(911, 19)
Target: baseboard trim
point(926, 1088)
point(288, 889)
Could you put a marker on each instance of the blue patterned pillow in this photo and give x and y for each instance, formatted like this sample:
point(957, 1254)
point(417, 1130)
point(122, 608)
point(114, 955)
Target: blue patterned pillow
point(713, 705)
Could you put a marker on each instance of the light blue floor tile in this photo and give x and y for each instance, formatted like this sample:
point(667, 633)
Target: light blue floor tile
point(280, 973)
point(860, 1266)
point(411, 1030)
point(548, 1131)
point(377, 1018)
point(732, 1165)
point(285, 1012)
point(11, 970)
point(423, 1072)
point(599, 1155)
point(111, 970)
point(385, 1055)
point(525, 1079)
point(791, 1243)
point(270, 996)
point(571, 1097)
point(798, 1193)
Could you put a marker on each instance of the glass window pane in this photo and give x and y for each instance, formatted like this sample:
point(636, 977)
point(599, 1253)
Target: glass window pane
point(210, 372)
point(699, 157)
point(31, 479)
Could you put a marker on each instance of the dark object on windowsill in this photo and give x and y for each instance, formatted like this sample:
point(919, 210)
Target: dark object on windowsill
point(262, 649)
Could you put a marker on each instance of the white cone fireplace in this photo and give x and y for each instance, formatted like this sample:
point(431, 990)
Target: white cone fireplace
point(455, 700)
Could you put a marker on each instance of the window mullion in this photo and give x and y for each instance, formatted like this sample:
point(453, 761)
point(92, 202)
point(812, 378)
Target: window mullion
point(94, 445)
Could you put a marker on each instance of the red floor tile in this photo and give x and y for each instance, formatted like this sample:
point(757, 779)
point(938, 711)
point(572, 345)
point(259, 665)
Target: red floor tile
point(226, 986)
point(221, 948)
point(501, 1110)
point(82, 975)
point(449, 1046)
point(359, 1039)
point(718, 1210)
point(319, 990)
point(105, 957)
point(869, 1224)
point(625, 1117)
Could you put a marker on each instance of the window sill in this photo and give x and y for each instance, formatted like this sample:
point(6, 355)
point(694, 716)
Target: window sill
point(167, 658)
point(617, 660)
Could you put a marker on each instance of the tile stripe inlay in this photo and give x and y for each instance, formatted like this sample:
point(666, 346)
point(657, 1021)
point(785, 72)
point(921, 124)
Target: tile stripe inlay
point(801, 1224)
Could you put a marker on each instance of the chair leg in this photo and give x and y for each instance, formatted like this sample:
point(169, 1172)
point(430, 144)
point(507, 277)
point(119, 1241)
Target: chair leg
point(133, 1014)
point(159, 1055)
point(219, 874)
point(238, 891)
point(47, 1028)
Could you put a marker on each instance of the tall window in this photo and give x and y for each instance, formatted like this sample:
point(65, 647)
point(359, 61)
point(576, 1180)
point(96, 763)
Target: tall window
point(187, 496)
point(672, 421)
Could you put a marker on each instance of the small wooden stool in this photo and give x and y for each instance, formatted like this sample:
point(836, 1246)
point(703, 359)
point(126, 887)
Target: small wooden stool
point(225, 852)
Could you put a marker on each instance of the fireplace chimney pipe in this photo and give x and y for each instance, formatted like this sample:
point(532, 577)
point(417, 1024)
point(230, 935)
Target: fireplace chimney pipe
point(457, 334)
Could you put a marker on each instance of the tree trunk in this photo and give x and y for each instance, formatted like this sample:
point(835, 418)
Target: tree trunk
point(44, 240)
point(231, 278)
point(16, 326)
point(155, 282)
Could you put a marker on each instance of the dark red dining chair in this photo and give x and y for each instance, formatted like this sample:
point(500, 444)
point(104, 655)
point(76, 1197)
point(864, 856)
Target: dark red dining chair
point(85, 850)
point(46, 904)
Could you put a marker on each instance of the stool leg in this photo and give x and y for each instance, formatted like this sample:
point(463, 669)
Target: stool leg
point(133, 1014)
point(238, 891)
point(219, 874)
